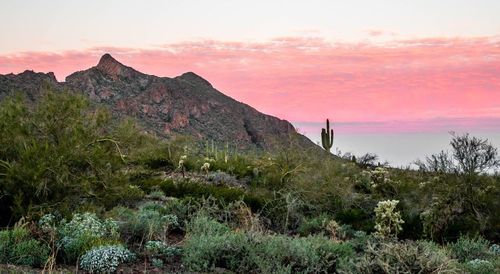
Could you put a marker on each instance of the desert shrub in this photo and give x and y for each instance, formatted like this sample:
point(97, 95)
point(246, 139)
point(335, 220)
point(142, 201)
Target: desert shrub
point(84, 232)
point(222, 178)
point(204, 252)
point(182, 208)
point(105, 259)
point(146, 183)
point(157, 195)
point(359, 240)
point(478, 266)
point(412, 228)
point(285, 211)
point(152, 206)
point(197, 190)
point(211, 244)
point(158, 263)
point(315, 225)
point(495, 249)
point(203, 225)
point(358, 218)
point(149, 222)
point(5, 246)
point(282, 254)
point(467, 249)
point(17, 246)
point(401, 257)
point(30, 252)
point(129, 195)
point(159, 248)
point(238, 165)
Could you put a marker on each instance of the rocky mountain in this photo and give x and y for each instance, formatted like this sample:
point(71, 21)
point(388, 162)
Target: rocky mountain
point(186, 104)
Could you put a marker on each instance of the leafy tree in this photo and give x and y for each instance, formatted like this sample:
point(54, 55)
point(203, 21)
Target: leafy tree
point(473, 155)
point(462, 194)
point(61, 153)
point(470, 156)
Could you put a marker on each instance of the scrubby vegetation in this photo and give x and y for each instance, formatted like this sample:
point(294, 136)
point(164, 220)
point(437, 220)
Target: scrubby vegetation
point(79, 188)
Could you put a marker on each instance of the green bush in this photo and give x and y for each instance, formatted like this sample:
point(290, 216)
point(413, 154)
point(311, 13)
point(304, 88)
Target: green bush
point(62, 153)
point(17, 246)
point(5, 246)
point(309, 226)
point(160, 249)
point(467, 249)
point(204, 225)
point(359, 240)
point(185, 188)
point(211, 244)
point(478, 266)
point(182, 208)
point(358, 218)
point(149, 222)
point(282, 254)
point(30, 252)
point(205, 252)
point(401, 257)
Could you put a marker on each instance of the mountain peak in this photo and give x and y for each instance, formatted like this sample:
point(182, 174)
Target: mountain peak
point(194, 78)
point(111, 66)
point(106, 59)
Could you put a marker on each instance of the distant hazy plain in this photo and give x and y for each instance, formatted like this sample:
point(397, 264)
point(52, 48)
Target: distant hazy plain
point(399, 149)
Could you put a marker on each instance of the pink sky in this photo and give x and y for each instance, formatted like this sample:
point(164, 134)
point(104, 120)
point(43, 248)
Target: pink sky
point(305, 80)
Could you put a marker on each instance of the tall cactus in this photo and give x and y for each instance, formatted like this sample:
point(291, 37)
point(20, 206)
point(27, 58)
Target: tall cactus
point(327, 136)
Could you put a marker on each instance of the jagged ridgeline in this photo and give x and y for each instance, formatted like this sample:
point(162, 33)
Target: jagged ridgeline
point(186, 105)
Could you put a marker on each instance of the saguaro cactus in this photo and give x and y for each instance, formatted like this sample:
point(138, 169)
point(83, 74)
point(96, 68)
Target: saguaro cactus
point(327, 136)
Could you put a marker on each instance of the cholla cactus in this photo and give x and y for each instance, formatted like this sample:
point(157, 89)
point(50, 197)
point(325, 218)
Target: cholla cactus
point(205, 167)
point(182, 160)
point(379, 177)
point(333, 228)
point(181, 165)
point(388, 221)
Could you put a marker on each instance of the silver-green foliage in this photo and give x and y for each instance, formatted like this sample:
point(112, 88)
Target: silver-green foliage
point(478, 266)
point(105, 259)
point(83, 232)
point(466, 249)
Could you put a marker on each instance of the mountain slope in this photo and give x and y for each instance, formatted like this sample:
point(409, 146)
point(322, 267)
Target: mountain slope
point(187, 104)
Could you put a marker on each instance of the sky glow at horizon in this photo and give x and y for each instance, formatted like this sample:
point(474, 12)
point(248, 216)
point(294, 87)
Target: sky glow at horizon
point(370, 66)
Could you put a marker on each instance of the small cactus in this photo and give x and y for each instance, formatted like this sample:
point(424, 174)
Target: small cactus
point(327, 137)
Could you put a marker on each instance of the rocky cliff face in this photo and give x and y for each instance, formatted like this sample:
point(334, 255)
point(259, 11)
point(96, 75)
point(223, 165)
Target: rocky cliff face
point(29, 83)
point(187, 104)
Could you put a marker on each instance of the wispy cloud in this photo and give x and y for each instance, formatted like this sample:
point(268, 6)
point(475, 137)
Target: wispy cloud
point(309, 79)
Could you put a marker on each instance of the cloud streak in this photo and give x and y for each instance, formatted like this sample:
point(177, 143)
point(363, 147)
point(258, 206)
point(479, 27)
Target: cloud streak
point(309, 79)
